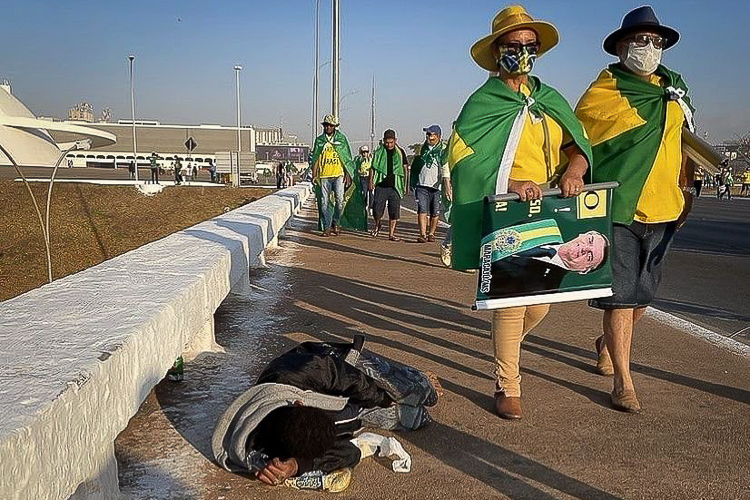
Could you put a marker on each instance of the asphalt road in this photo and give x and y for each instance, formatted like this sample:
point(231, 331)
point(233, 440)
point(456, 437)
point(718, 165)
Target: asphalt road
point(706, 276)
point(707, 273)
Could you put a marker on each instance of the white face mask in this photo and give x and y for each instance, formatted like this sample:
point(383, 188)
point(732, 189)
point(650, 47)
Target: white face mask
point(642, 60)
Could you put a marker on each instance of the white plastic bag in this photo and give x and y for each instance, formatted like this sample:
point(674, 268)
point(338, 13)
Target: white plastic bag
point(370, 443)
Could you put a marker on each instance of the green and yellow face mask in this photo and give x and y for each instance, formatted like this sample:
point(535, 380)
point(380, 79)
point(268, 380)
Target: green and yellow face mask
point(516, 61)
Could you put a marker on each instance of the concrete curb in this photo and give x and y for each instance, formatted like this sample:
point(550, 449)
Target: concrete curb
point(716, 339)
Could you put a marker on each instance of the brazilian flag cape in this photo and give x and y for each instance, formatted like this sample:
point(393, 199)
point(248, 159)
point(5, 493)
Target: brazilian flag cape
point(424, 157)
point(354, 213)
point(482, 148)
point(625, 117)
point(380, 168)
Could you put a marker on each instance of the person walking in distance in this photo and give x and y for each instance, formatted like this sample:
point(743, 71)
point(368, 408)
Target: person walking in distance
point(154, 167)
point(363, 162)
point(388, 180)
point(333, 171)
point(427, 177)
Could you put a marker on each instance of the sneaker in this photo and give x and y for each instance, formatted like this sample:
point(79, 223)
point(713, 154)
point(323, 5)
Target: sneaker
point(333, 482)
point(446, 255)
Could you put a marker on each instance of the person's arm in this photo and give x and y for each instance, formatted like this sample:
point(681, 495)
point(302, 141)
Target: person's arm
point(446, 175)
point(326, 374)
point(571, 182)
point(342, 454)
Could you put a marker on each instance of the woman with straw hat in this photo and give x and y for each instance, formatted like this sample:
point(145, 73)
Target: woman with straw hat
point(509, 137)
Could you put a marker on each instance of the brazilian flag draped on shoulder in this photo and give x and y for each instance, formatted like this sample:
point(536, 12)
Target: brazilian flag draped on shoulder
point(425, 157)
point(625, 117)
point(380, 167)
point(482, 149)
point(354, 213)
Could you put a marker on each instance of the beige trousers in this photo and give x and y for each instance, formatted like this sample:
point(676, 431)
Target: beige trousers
point(509, 327)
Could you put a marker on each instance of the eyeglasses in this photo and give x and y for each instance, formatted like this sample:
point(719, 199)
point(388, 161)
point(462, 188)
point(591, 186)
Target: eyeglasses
point(531, 47)
point(430, 134)
point(642, 40)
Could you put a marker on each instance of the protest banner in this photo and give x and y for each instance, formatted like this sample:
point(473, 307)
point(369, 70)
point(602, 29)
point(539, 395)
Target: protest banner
point(543, 251)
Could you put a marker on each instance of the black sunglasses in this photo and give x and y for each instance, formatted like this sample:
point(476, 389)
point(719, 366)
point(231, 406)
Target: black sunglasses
point(642, 40)
point(531, 47)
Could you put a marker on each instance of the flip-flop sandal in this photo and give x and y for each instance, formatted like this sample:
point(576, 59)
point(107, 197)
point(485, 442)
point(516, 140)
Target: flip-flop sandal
point(430, 238)
point(394, 238)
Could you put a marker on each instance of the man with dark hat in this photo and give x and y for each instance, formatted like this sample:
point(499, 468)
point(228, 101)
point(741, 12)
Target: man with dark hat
point(510, 137)
point(388, 180)
point(634, 114)
point(333, 173)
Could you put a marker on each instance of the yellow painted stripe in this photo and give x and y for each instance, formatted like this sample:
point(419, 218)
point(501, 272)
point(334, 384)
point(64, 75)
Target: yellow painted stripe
point(539, 233)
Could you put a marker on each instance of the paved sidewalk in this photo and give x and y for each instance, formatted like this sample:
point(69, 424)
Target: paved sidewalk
point(691, 442)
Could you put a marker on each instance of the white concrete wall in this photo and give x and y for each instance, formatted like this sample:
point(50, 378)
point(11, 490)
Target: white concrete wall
point(80, 355)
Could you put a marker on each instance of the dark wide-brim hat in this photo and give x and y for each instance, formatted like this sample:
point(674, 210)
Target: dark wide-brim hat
point(640, 19)
point(510, 19)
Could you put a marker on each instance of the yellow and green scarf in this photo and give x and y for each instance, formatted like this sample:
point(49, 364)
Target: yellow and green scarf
point(482, 148)
point(625, 117)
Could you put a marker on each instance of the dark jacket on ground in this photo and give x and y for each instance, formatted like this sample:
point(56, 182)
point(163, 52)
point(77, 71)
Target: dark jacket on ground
point(316, 367)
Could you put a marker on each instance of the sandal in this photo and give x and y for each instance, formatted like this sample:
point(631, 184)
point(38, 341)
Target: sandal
point(375, 232)
point(430, 237)
point(421, 239)
point(394, 238)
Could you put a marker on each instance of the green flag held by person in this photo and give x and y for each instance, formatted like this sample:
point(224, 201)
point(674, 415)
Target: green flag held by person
point(336, 181)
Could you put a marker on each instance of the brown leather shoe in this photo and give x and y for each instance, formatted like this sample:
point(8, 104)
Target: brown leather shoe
point(508, 407)
point(336, 229)
point(604, 362)
point(625, 400)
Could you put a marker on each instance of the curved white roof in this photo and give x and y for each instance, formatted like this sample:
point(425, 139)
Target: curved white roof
point(26, 137)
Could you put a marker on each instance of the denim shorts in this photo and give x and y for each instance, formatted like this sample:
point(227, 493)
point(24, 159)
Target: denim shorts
point(428, 200)
point(389, 196)
point(638, 252)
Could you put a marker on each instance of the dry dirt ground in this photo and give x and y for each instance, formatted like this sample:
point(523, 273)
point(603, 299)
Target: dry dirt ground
point(91, 223)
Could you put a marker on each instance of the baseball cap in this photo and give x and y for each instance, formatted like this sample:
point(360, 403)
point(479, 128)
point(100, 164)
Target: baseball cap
point(433, 129)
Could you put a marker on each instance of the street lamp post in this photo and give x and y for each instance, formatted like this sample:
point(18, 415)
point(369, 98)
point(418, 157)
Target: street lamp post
point(335, 61)
point(131, 58)
point(315, 77)
point(237, 69)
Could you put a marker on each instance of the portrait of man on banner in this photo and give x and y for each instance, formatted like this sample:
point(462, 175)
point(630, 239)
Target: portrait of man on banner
point(541, 251)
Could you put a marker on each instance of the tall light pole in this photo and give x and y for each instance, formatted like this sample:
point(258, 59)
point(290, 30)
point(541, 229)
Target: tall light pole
point(315, 76)
point(372, 115)
point(237, 69)
point(131, 58)
point(335, 61)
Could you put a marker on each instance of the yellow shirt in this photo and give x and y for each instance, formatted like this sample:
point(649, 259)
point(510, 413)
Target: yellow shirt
point(529, 163)
point(746, 179)
point(661, 197)
point(330, 163)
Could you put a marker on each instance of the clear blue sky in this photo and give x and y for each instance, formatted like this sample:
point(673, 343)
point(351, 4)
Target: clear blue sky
point(59, 53)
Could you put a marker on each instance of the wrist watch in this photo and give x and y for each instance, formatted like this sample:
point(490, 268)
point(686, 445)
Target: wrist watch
point(689, 189)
